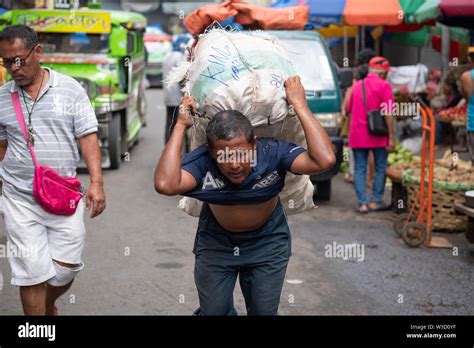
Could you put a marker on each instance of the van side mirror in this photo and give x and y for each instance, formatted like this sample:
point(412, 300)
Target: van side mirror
point(346, 77)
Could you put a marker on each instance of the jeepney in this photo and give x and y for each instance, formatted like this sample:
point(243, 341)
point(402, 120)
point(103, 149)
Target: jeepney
point(104, 51)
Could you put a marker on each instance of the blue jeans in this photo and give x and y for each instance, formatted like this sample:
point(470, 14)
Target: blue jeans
point(258, 257)
point(441, 132)
point(360, 174)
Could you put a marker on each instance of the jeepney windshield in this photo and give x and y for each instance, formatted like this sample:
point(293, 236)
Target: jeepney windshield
point(74, 42)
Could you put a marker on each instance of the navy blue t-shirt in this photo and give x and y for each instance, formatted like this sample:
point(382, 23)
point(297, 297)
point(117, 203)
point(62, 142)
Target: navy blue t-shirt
point(266, 179)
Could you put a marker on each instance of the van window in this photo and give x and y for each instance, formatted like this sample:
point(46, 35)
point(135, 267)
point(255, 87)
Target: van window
point(74, 42)
point(311, 63)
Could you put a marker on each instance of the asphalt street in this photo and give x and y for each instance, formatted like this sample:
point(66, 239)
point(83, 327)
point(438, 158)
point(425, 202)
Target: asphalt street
point(139, 262)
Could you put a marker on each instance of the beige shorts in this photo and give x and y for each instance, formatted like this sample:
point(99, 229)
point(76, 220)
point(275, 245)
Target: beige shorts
point(35, 238)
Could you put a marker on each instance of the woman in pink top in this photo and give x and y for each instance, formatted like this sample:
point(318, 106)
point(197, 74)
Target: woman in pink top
point(379, 96)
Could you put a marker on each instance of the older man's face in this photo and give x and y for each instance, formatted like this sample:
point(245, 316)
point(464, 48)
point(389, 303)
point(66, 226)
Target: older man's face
point(24, 63)
point(234, 157)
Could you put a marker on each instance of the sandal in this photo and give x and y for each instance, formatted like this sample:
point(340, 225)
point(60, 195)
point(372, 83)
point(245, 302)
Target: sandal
point(362, 209)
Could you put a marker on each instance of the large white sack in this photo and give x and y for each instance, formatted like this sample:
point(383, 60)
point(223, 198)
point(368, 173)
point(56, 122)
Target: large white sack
point(244, 71)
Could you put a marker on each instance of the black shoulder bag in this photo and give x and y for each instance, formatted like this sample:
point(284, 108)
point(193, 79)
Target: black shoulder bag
point(375, 120)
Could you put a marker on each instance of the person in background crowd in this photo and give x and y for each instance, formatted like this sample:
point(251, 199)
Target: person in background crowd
point(453, 97)
point(173, 92)
point(360, 71)
point(432, 86)
point(378, 93)
point(467, 89)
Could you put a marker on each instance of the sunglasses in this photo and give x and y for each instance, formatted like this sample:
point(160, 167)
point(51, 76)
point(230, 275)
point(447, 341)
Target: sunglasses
point(18, 62)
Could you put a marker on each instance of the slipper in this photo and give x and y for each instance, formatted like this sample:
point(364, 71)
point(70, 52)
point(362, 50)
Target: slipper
point(381, 207)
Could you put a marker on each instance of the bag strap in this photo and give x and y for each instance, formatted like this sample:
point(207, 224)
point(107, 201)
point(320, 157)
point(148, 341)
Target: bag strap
point(21, 120)
point(364, 98)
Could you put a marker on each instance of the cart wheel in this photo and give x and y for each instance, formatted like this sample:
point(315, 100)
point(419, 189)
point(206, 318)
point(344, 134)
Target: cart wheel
point(399, 223)
point(414, 234)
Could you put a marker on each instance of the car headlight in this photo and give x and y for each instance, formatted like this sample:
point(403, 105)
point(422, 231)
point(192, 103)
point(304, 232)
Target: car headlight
point(89, 87)
point(329, 119)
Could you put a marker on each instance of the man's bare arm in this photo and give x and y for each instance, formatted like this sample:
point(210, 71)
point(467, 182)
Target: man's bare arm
point(95, 196)
point(320, 155)
point(466, 85)
point(170, 179)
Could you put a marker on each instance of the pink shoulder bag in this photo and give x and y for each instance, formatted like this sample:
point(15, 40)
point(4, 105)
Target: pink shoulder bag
point(55, 194)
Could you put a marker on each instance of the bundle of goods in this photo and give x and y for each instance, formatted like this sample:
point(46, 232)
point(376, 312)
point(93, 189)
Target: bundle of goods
point(244, 71)
point(449, 160)
point(401, 155)
point(400, 160)
point(451, 178)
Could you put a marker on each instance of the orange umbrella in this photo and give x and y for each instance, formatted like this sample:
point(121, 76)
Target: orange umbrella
point(370, 12)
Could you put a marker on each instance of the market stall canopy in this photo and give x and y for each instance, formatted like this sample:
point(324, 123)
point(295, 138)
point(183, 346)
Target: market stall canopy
point(251, 16)
point(426, 34)
point(457, 13)
point(416, 14)
point(321, 12)
point(455, 34)
point(365, 12)
point(420, 11)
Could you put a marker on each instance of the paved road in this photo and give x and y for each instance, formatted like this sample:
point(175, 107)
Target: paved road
point(139, 261)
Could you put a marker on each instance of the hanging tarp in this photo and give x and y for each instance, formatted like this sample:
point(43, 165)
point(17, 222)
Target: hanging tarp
point(368, 12)
point(455, 34)
point(422, 37)
point(251, 16)
point(458, 13)
point(419, 38)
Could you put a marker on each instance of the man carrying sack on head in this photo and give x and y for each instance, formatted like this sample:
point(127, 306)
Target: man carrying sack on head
point(42, 114)
point(243, 229)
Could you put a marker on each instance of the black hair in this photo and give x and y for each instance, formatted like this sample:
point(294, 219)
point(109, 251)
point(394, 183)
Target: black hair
point(451, 82)
point(20, 31)
point(228, 124)
point(362, 71)
point(365, 55)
